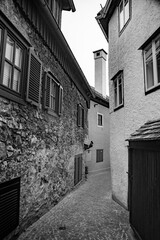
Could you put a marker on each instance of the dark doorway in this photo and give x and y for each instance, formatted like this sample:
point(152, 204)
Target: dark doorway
point(77, 169)
point(144, 188)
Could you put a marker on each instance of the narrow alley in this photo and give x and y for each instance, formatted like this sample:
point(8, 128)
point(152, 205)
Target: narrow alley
point(86, 213)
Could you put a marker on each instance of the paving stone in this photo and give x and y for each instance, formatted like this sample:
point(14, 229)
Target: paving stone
point(87, 213)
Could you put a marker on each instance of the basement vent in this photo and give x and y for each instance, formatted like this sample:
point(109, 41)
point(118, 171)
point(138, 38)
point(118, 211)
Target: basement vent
point(9, 206)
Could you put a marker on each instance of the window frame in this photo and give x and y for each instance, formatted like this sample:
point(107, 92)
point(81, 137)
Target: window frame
point(99, 156)
point(125, 23)
point(80, 116)
point(59, 94)
point(153, 58)
point(116, 98)
point(8, 29)
point(99, 114)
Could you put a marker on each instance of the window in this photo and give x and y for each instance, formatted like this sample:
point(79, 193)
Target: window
point(20, 73)
point(100, 119)
point(124, 13)
point(99, 155)
point(152, 64)
point(118, 90)
point(80, 116)
point(53, 95)
point(12, 56)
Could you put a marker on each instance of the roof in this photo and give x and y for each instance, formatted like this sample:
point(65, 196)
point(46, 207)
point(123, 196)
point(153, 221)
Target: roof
point(55, 40)
point(69, 5)
point(103, 16)
point(149, 131)
point(99, 98)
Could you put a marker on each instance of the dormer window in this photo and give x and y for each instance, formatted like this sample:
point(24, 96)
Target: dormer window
point(124, 13)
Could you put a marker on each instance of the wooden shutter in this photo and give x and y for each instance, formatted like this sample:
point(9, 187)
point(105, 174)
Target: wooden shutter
point(9, 206)
point(34, 79)
point(78, 115)
point(60, 100)
point(47, 90)
point(83, 117)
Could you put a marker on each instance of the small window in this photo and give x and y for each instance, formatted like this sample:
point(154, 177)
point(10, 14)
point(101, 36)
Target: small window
point(124, 13)
point(118, 90)
point(80, 116)
point(152, 64)
point(53, 95)
point(99, 155)
point(100, 119)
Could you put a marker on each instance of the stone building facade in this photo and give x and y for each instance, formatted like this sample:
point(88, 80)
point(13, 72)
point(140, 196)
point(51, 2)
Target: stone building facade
point(42, 127)
point(132, 29)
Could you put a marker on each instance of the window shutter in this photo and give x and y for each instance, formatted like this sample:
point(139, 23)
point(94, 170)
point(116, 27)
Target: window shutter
point(60, 100)
point(78, 115)
point(83, 117)
point(34, 79)
point(47, 91)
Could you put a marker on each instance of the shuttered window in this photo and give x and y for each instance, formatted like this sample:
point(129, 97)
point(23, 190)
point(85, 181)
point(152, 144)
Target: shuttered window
point(99, 155)
point(53, 95)
point(13, 55)
point(80, 116)
point(9, 206)
point(34, 79)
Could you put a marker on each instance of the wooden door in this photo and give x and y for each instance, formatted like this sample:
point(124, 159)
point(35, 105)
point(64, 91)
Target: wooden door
point(144, 190)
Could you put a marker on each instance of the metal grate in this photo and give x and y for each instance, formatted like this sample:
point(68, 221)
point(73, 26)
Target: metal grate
point(9, 206)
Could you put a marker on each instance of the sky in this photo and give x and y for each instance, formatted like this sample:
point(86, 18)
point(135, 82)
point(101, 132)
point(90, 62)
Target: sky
point(84, 35)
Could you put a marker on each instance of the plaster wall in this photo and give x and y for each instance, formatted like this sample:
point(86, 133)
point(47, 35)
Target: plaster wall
point(99, 136)
point(124, 54)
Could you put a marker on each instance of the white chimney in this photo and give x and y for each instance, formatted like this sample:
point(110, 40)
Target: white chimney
point(100, 71)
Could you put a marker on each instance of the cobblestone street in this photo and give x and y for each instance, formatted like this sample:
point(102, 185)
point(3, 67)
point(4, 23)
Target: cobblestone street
point(86, 213)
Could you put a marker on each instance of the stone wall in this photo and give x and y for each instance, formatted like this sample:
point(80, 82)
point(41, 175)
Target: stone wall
point(34, 145)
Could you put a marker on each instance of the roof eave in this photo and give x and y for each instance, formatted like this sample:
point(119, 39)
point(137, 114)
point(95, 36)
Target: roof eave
point(82, 83)
point(69, 6)
point(103, 17)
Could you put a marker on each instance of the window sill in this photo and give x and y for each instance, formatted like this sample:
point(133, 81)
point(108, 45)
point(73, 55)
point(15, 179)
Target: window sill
point(124, 27)
point(117, 108)
point(11, 97)
point(52, 113)
point(154, 88)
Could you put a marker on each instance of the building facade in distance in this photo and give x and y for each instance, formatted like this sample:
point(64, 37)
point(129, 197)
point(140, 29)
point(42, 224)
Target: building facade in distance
point(98, 159)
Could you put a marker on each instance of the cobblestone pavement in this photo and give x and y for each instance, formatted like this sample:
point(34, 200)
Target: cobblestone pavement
point(87, 213)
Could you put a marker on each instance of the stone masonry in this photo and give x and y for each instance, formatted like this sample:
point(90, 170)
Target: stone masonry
point(35, 146)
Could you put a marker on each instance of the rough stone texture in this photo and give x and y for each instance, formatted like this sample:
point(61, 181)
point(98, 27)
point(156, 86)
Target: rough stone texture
point(88, 213)
point(35, 146)
point(138, 107)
